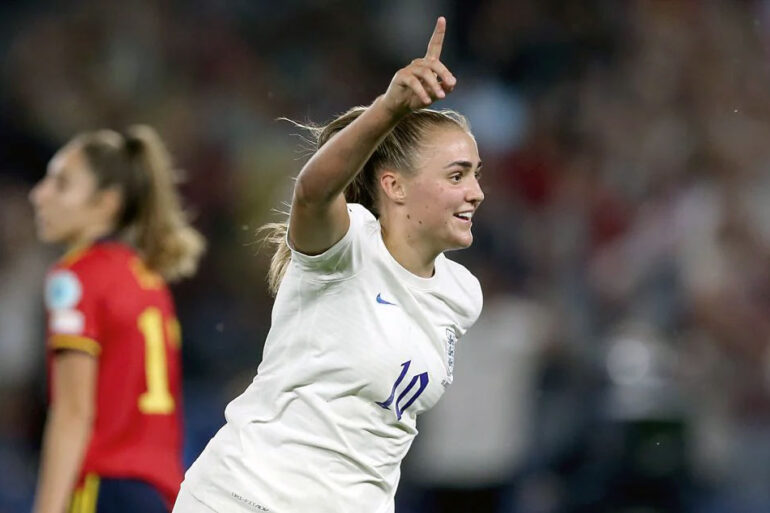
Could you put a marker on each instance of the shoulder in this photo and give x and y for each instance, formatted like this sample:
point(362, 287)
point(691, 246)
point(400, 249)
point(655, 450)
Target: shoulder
point(360, 215)
point(462, 276)
point(88, 267)
point(97, 258)
point(463, 287)
point(363, 226)
point(346, 256)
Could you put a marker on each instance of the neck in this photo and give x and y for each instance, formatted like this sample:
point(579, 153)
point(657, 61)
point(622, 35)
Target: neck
point(87, 236)
point(408, 251)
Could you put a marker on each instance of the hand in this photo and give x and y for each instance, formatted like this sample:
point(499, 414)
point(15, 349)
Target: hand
point(423, 81)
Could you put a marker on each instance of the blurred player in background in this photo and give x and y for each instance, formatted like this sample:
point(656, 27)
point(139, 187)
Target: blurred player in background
point(367, 312)
point(113, 436)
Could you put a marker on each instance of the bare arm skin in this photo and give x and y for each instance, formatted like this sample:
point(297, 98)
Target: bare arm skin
point(319, 216)
point(67, 429)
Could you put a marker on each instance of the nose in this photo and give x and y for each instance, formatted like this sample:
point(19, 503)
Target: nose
point(37, 194)
point(475, 195)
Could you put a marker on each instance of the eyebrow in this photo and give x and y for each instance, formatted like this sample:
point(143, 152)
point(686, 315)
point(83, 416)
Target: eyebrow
point(463, 163)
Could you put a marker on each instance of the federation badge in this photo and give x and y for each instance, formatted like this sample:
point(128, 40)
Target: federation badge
point(451, 341)
point(63, 290)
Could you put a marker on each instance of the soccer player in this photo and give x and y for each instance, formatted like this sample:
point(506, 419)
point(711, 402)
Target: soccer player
point(367, 312)
point(112, 440)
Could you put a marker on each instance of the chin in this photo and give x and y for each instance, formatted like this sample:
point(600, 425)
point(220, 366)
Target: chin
point(48, 237)
point(460, 242)
point(44, 236)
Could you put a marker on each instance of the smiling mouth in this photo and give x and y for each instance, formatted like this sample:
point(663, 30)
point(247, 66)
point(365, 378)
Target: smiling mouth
point(464, 216)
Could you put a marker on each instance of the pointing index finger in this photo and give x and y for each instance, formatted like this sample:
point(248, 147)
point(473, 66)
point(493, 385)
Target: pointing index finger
point(436, 40)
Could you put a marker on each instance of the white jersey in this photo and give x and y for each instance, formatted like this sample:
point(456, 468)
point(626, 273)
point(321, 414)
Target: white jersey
point(358, 347)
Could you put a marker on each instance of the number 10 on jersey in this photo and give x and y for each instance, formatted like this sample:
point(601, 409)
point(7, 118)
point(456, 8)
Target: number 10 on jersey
point(402, 402)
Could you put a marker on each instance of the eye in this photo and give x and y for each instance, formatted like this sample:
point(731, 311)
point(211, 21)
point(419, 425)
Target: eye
point(456, 177)
point(478, 174)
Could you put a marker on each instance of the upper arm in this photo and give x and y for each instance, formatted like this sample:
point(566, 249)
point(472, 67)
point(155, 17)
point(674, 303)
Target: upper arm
point(74, 384)
point(314, 227)
point(319, 216)
point(72, 300)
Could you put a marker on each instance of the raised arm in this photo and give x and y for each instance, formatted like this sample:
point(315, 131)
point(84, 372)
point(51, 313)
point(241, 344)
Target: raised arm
point(319, 216)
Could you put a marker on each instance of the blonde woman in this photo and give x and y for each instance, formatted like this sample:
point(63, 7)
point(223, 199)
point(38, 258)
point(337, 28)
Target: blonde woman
point(367, 310)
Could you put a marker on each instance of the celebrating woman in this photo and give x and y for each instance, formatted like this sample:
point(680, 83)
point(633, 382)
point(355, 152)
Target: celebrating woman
point(367, 312)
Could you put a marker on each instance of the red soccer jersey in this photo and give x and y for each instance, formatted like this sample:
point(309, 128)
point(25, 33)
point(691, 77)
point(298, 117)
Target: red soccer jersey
point(104, 301)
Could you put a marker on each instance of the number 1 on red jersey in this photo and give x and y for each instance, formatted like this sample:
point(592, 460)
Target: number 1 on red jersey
point(157, 399)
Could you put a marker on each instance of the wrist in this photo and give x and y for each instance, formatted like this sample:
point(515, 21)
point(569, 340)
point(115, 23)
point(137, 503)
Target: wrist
point(394, 112)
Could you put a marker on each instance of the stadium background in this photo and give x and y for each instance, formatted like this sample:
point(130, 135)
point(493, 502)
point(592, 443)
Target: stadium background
point(623, 360)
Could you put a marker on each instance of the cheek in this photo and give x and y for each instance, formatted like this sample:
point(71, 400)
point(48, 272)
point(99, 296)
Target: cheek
point(437, 213)
point(69, 209)
point(449, 200)
point(434, 204)
point(74, 201)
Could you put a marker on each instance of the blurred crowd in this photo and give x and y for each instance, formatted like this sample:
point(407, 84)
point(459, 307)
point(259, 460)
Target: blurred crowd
point(622, 362)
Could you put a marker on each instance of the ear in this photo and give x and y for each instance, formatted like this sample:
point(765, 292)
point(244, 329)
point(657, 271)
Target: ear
point(393, 185)
point(110, 201)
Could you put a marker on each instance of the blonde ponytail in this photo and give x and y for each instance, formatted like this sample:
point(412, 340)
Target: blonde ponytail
point(151, 217)
point(275, 237)
point(163, 235)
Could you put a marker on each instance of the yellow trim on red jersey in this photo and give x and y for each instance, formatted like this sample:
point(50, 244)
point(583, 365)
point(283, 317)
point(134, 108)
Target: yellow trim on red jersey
point(147, 279)
point(76, 342)
point(73, 255)
point(174, 332)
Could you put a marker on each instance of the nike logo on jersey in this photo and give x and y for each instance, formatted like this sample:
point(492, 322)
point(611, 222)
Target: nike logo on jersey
point(384, 302)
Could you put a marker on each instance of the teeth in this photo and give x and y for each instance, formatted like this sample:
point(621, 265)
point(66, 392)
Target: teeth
point(465, 215)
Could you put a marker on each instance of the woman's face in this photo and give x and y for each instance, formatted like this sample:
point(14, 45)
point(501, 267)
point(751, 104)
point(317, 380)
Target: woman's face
point(444, 192)
point(66, 202)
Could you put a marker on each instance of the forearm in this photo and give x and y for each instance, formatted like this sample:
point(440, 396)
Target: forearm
point(64, 444)
point(338, 161)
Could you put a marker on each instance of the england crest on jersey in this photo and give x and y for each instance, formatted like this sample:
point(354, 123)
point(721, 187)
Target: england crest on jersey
point(451, 341)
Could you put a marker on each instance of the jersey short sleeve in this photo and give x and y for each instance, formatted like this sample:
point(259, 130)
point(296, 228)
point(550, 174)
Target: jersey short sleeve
point(71, 308)
point(345, 257)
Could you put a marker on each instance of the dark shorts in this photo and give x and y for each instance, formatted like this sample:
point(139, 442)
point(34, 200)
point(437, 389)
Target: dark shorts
point(110, 495)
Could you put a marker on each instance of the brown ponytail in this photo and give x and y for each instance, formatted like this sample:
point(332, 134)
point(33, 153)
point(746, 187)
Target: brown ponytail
point(397, 150)
point(152, 218)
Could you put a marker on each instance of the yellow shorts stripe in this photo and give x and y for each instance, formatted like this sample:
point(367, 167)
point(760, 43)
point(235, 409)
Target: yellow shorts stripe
point(85, 497)
point(90, 493)
point(75, 503)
